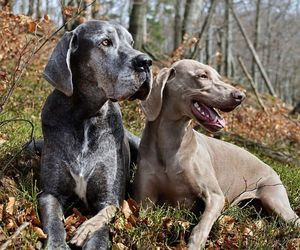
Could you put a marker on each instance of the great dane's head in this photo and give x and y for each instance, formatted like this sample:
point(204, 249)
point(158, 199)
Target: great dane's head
point(194, 90)
point(98, 57)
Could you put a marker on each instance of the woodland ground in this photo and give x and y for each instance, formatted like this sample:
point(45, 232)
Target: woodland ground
point(273, 136)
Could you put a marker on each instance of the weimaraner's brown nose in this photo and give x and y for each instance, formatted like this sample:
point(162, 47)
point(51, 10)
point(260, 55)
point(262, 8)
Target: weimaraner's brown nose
point(238, 96)
point(141, 61)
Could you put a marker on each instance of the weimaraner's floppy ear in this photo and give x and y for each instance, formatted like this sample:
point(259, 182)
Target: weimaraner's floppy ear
point(58, 70)
point(152, 105)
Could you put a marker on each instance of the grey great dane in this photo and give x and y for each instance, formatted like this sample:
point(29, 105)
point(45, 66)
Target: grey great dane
point(179, 165)
point(86, 152)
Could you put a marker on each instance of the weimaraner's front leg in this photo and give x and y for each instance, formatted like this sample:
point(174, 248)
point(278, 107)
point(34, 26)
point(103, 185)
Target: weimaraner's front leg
point(214, 203)
point(206, 186)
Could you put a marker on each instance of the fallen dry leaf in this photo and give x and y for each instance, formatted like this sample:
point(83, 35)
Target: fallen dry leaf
point(184, 224)
point(134, 207)
point(126, 210)
point(10, 205)
point(1, 211)
point(121, 246)
point(39, 232)
point(247, 232)
point(260, 224)
point(31, 26)
point(227, 222)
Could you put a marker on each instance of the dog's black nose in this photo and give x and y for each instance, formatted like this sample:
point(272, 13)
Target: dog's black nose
point(238, 96)
point(141, 61)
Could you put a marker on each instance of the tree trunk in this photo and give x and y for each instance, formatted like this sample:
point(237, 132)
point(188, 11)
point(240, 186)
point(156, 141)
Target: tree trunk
point(47, 6)
point(191, 17)
point(204, 27)
point(219, 56)
point(137, 23)
point(177, 25)
point(254, 54)
point(208, 46)
point(30, 7)
point(38, 9)
point(228, 41)
point(267, 45)
point(256, 40)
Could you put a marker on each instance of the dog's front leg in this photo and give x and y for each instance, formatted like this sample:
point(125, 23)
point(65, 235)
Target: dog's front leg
point(214, 203)
point(94, 229)
point(52, 218)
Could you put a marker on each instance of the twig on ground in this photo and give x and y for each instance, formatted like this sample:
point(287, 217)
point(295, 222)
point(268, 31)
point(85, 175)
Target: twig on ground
point(15, 235)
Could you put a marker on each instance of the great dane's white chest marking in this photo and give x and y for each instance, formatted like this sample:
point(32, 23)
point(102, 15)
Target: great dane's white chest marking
point(84, 166)
point(81, 184)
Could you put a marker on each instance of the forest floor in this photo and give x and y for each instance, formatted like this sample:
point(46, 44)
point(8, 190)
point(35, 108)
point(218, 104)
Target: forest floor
point(273, 136)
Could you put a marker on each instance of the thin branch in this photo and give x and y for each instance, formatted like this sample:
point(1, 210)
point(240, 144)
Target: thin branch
point(253, 51)
point(63, 25)
point(252, 83)
point(21, 68)
point(15, 235)
point(204, 27)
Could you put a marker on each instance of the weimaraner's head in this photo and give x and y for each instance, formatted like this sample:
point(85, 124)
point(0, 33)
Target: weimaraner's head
point(194, 90)
point(98, 57)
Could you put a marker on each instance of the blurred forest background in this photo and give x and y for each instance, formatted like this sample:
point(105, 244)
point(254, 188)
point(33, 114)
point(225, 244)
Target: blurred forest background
point(254, 44)
point(271, 28)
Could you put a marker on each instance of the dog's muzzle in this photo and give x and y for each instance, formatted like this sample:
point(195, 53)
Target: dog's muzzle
point(142, 64)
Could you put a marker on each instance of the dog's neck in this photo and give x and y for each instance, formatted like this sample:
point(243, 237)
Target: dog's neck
point(87, 101)
point(168, 133)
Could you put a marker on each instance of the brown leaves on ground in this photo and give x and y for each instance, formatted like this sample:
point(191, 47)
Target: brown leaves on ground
point(14, 212)
point(133, 230)
point(275, 127)
point(22, 36)
point(72, 222)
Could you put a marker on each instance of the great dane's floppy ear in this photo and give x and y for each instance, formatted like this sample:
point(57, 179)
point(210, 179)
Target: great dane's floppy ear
point(58, 70)
point(152, 105)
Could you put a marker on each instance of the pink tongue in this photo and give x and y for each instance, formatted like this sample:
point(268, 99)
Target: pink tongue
point(214, 119)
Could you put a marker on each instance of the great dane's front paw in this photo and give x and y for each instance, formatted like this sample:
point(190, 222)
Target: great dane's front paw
point(86, 230)
point(57, 246)
point(88, 227)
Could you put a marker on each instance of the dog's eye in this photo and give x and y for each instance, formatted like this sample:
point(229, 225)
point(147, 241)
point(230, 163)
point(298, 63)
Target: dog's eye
point(203, 76)
point(106, 43)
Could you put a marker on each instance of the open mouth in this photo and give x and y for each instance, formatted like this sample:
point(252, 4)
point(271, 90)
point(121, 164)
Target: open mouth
point(208, 117)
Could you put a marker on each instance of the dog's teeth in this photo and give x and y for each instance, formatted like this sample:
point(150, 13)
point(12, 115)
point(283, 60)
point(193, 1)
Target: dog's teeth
point(196, 105)
point(202, 113)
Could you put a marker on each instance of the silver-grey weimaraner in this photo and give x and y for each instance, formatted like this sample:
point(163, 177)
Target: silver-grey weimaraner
point(176, 164)
point(86, 151)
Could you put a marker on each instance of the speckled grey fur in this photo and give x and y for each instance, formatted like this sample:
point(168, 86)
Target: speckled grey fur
point(86, 151)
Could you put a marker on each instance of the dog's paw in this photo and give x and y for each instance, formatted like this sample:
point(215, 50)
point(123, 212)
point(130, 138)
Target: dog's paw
point(55, 246)
point(88, 227)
